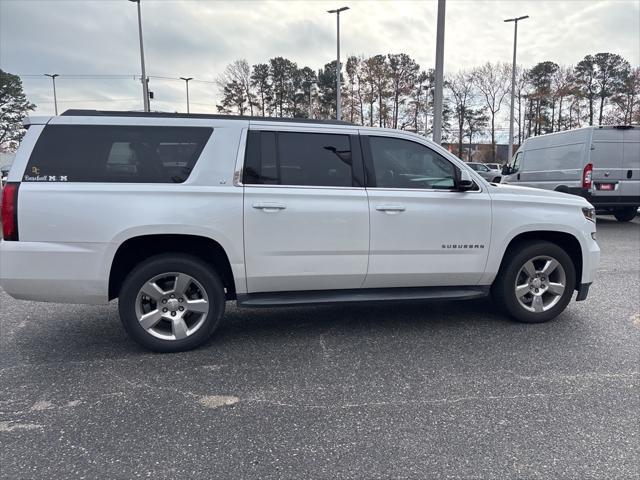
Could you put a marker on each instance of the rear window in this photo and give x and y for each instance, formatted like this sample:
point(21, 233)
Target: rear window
point(124, 154)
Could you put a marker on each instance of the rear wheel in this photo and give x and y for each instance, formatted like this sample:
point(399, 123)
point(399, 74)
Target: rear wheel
point(536, 282)
point(625, 214)
point(171, 303)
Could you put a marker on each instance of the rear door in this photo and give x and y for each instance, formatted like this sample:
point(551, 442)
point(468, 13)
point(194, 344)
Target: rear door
point(630, 183)
point(306, 216)
point(606, 156)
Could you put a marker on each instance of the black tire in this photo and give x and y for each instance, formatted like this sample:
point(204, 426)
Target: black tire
point(503, 289)
point(199, 271)
point(625, 214)
point(497, 179)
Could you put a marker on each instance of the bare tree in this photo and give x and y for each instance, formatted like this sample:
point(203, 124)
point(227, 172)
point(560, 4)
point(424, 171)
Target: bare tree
point(522, 86)
point(627, 101)
point(403, 71)
point(354, 96)
point(562, 85)
point(492, 81)
point(461, 87)
point(238, 74)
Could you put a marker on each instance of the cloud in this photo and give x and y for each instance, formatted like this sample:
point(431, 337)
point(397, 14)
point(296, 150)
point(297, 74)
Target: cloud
point(198, 38)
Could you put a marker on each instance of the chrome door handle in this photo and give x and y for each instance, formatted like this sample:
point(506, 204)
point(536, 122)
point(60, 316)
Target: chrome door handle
point(390, 208)
point(269, 206)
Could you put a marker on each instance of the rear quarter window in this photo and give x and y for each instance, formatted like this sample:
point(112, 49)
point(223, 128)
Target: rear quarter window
point(121, 154)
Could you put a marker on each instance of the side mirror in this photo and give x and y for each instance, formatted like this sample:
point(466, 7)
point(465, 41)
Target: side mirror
point(506, 169)
point(465, 182)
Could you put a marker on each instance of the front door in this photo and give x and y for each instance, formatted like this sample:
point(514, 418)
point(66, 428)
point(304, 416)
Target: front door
point(306, 216)
point(423, 231)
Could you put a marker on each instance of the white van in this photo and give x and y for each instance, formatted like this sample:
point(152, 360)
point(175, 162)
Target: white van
point(601, 164)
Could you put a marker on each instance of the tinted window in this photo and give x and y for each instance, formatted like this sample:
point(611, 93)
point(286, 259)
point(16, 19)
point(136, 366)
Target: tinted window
point(287, 158)
point(104, 153)
point(404, 164)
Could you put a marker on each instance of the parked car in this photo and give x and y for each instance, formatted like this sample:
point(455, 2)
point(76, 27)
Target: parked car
point(272, 213)
point(494, 166)
point(601, 164)
point(485, 172)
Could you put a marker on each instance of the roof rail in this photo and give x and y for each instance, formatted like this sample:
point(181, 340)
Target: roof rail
point(107, 113)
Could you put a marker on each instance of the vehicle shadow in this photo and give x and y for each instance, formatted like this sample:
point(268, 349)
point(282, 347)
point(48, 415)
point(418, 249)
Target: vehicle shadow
point(66, 334)
point(610, 220)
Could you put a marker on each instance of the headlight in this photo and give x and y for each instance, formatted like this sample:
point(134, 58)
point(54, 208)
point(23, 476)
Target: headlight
point(589, 213)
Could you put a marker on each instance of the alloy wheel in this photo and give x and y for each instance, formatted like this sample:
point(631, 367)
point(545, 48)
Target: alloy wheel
point(540, 284)
point(172, 306)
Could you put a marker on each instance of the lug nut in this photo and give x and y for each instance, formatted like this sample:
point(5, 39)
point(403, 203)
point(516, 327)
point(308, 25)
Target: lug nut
point(181, 300)
point(181, 309)
point(164, 300)
point(164, 309)
point(173, 314)
point(172, 295)
point(537, 290)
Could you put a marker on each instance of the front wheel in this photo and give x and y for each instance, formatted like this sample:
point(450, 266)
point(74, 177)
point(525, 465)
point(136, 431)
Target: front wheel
point(625, 214)
point(171, 303)
point(535, 282)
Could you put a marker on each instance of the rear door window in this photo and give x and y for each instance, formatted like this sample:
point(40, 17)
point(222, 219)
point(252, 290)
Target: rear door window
point(122, 154)
point(299, 159)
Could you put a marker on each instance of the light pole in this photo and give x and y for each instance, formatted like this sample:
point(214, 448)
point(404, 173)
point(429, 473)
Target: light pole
point(300, 92)
point(55, 98)
point(439, 74)
point(338, 65)
point(513, 83)
point(145, 87)
point(312, 88)
point(186, 81)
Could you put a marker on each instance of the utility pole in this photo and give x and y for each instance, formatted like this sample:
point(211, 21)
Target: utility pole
point(439, 74)
point(186, 81)
point(338, 65)
point(55, 97)
point(143, 78)
point(513, 82)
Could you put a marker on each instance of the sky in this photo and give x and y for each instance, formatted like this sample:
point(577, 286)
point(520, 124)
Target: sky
point(93, 44)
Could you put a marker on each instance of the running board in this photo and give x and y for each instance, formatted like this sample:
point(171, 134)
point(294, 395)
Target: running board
point(323, 297)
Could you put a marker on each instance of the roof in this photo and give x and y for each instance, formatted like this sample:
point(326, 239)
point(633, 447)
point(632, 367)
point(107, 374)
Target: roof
point(107, 113)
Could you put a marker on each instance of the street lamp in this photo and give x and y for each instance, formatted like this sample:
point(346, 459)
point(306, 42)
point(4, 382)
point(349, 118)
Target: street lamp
point(438, 95)
point(513, 82)
point(145, 86)
point(186, 81)
point(338, 65)
point(55, 98)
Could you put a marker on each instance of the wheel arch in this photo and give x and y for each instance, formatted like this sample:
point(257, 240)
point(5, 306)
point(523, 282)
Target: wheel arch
point(568, 242)
point(137, 249)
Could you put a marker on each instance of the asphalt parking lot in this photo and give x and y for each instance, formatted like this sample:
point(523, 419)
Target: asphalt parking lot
point(438, 390)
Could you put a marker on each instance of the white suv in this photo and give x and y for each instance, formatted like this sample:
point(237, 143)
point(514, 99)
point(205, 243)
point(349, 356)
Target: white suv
point(176, 214)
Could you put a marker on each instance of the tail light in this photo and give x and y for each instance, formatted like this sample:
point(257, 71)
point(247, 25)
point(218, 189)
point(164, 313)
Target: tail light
point(10, 211)
point(587, 175)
